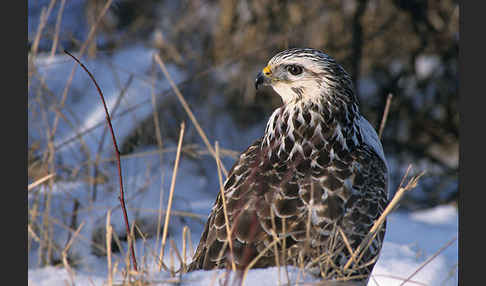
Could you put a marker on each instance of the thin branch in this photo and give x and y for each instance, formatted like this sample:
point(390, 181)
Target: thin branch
point(121, 198)
point(103, 136)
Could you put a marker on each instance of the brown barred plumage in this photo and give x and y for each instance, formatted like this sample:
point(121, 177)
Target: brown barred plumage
point(318, 170)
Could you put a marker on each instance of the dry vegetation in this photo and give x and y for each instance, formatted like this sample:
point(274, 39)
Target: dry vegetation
point(221, 44)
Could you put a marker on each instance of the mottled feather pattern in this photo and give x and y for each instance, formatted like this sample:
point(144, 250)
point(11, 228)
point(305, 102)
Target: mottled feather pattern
point(310, 175)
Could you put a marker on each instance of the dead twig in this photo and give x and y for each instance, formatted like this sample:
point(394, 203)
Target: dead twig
point(121, 198)
point(96, 163)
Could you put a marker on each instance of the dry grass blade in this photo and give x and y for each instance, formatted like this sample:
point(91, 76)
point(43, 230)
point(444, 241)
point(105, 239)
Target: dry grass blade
point(348, 245)
point(158, 136)
point(171, 262)
point(198, 217)
point(429, 260)
point(45, 13)
point(275, 250)
point(171, 195)
point(188, 110)
point(225, 211)
point(191, 247)
point(398, 196)
point(81, 53)
point(81, 237)
point(176, 250)
point(385, 115)
point(397, 278)
point(40, 181)
point(184, 246)
point(64, 253)
point(366, 242)
point(32, 233)
point(255, 260)
point(374, 280)
point(57, 29)
point(284, 248)
point(190, 149)
point(109, 234)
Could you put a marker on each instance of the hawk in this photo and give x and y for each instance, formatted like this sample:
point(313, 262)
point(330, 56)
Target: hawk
point(308, 191)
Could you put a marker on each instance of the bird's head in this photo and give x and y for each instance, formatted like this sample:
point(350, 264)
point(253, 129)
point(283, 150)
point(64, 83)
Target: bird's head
point(306, 74)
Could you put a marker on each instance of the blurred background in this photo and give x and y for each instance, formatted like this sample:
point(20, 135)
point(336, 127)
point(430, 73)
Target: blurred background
point(213, 50)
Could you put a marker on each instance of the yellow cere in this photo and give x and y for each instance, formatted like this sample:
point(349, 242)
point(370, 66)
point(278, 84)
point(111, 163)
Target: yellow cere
point(267, 70)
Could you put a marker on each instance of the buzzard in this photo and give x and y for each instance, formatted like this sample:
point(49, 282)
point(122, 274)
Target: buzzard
point(308, 191)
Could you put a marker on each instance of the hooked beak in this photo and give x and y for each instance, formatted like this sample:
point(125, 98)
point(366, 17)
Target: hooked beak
point(260, 79)
point(263, 78)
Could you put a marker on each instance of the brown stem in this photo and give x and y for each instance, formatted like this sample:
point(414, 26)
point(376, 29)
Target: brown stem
point(117, 153)
point(385, 115)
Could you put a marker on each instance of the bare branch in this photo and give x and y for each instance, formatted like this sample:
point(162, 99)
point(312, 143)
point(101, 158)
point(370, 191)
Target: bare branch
point(121, 198)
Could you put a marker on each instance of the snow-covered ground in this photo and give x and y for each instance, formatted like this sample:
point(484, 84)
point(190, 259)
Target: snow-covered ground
point(411, 238)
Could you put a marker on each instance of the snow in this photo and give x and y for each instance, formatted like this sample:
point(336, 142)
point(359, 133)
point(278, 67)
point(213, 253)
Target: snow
point(426, 65)
point(412, 238)
point(396, 256)
point(442, 215)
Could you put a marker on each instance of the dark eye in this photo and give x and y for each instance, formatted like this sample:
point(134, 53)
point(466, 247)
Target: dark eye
point(294, 69)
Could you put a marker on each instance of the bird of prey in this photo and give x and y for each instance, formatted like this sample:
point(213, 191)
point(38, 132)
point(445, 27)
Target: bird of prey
point(308, 191)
